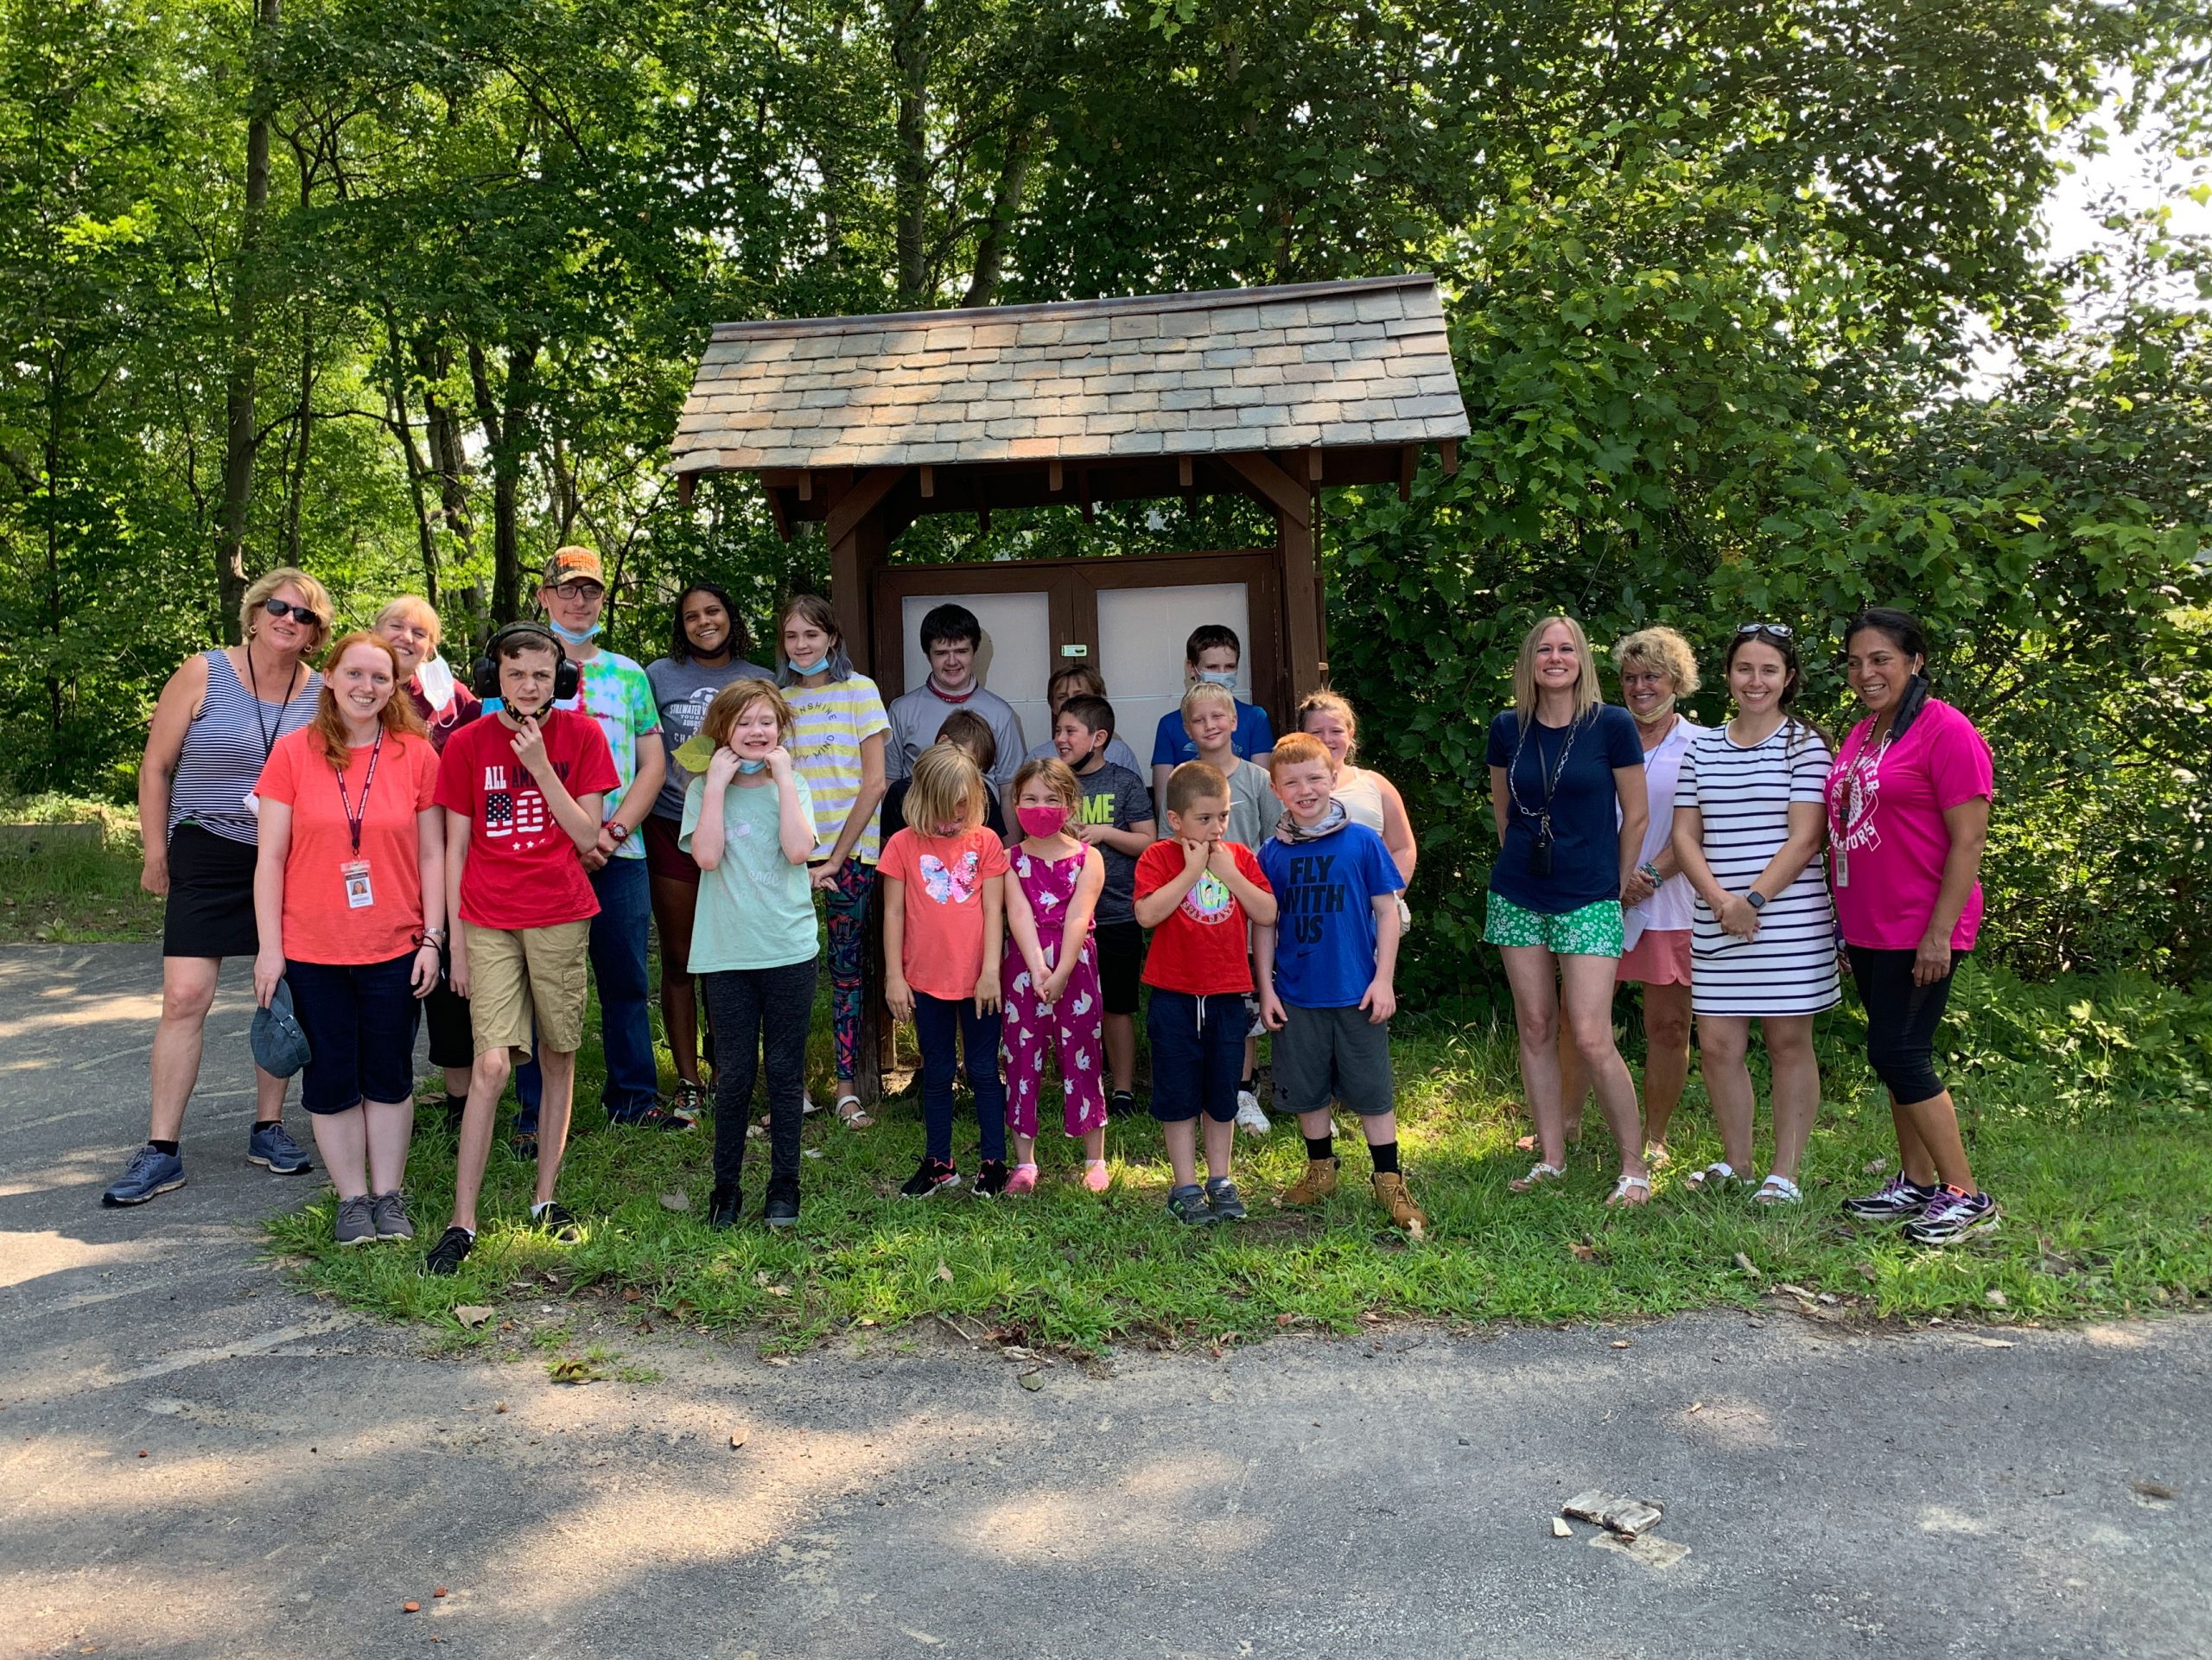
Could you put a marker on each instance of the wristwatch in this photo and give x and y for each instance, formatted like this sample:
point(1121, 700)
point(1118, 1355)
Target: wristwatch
point(1649, 870)
point(619, 830)
point(1755, 899)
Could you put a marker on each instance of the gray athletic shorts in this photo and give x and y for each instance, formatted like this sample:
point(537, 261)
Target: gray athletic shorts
point(1326, 1054)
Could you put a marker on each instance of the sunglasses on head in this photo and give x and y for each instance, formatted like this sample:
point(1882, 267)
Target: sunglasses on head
point(299, 613)
point(1778, 630)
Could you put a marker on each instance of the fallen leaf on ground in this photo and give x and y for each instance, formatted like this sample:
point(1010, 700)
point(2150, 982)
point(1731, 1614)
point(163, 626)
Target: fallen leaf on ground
point(736, 1439)
point(943, 1272)
point(2154, 1490)
point(1580, 1252)
point(810, 1153)
point(1995, 1298)
point(1867, 1271)
point(1747, 1265)
point(1559, 1528)
point(777, 1290)
point(411, 1607)
point(675, 1201)
point(472, 1314)
point(1030, 1380)
point(1697, 1406)
point(1875, 1166)
point(1620, 1343)
point(498, 1406)
point(1787, 1289)
point(440, 1591)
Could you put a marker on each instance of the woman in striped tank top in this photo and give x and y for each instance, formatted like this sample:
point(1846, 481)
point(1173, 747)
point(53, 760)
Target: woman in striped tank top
point(218, 718)
point(1749, 825)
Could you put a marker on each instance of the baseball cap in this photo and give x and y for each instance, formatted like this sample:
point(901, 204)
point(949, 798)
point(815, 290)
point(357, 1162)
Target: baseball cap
point(574, 564)
point(280, 1048)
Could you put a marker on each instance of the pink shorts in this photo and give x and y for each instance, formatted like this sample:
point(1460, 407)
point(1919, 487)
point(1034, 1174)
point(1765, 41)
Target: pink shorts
point(1661, 956)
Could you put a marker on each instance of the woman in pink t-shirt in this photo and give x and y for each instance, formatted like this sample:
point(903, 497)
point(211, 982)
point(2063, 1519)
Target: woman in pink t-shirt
point(1908, 805)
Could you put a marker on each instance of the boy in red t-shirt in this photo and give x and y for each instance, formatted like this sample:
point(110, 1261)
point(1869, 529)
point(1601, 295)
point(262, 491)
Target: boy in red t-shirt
point(522, 794)
point(1195, 891)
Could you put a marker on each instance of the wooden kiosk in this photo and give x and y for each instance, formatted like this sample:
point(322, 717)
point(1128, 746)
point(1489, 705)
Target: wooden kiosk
point(864, 425)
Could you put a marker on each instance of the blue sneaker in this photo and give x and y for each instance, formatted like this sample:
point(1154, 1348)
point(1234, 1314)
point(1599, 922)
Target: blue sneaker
point(151, 1172)
point(272, 1146)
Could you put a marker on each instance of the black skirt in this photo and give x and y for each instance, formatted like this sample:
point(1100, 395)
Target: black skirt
point(210, 911)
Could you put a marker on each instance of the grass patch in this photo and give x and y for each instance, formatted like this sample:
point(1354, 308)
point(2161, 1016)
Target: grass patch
point(2105, 1194)
point(57, 885)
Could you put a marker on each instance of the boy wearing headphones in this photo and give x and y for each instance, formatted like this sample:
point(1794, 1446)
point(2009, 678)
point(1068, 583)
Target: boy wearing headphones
point(521, 789)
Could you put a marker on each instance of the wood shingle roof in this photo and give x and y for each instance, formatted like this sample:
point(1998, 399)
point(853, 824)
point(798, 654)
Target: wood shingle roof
point(1326, 365)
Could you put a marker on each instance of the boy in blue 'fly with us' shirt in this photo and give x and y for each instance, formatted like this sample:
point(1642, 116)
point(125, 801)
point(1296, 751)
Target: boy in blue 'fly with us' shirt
point(1326, 966)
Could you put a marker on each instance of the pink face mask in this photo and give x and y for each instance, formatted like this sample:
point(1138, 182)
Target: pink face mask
point(1041, 822)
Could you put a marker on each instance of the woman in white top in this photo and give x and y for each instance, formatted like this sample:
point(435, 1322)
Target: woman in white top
point(1369, 798)
point(1656, 667)
point(1748, 827)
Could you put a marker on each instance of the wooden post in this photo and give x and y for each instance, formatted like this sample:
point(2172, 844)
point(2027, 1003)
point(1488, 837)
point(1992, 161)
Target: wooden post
point(1293, 508)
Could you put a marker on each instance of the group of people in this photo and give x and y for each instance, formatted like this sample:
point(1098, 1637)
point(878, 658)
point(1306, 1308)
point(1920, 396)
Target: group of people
point(389, 841)
point(1726, 870)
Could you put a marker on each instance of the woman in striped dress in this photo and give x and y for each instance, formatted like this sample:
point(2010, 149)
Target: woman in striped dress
point(1749, 829)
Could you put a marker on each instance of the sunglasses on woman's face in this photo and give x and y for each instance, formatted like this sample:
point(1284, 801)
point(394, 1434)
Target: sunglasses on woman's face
point(299, 613)
point(1777, 630)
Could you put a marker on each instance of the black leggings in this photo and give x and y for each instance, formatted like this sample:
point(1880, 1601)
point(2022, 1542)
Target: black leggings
point(1901, 1020)
point(754, 1009)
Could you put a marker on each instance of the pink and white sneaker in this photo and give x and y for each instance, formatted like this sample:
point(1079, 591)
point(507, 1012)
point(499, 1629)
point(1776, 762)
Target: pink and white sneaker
point(1023, 1179)
point(1095, 1176)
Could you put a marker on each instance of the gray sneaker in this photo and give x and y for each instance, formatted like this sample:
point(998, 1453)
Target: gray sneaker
point(1188, 1205)
point(1221, 1201)
point(357, 1221)
point(390, 1210)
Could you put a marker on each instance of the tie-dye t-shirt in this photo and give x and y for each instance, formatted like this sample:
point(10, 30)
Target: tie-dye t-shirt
point(942, 908)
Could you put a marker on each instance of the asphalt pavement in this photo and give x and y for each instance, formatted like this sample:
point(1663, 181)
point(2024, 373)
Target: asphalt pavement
point(197, 1461)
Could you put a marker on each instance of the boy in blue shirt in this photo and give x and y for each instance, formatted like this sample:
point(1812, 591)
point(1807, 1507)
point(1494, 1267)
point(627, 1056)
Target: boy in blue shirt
point(1210, 658)
point(1326, 966)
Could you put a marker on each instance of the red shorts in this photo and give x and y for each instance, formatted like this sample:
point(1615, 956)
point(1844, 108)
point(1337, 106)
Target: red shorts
point(1661, 956)
point(663, 857)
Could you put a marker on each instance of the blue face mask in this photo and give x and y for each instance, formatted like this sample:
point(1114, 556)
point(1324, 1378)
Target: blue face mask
point(1227, 682)
point(815, 667)
point(749, 767)
point(576, 636)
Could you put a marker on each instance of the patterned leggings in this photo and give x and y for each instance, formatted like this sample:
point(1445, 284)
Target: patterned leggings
point(847, 905)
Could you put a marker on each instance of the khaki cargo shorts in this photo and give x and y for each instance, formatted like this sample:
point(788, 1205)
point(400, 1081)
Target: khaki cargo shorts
point(516, 974)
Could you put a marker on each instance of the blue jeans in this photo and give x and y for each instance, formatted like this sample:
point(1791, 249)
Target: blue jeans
point(626, 1021)
point(938, 1022)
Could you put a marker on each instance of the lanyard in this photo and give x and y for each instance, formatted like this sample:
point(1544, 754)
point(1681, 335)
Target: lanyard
point(354, 819)
point(1551, 776)
point(1858, 769)
point(253, 682)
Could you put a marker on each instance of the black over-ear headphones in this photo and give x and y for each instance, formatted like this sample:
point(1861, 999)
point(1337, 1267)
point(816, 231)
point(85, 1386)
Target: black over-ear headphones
point(484, 677)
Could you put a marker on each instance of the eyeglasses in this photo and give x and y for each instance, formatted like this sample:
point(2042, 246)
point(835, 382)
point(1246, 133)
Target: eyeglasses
point(1779, 629)
point(299, 613)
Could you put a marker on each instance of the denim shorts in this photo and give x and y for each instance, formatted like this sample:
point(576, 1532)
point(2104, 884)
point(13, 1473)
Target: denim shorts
point(1590, 931)
point(1197, 1055)
point(359, 1020)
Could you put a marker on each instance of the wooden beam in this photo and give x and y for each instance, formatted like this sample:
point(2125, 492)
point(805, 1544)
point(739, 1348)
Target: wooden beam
point(1451, 451)
point(1301, 601)
point(929, 482)
point(1273, 486)
point(1313, 466)
point(776, 507)
point(1408, 461)
point(1182, 472)
point(1052, 477)
point(865, 496)
point(806, 486)
point(686, 485)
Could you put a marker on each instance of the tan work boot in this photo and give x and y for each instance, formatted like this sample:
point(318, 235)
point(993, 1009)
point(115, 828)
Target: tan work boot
point(1398, 1204)
point(1319, 1182)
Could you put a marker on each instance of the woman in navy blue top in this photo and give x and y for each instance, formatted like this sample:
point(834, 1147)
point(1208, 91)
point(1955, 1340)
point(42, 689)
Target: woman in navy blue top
point(1566, 790)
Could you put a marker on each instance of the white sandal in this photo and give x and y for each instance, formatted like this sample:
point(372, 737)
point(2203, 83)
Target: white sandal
point(856, 1119)
point(1626, 1186)
point(1778, 1190)
point(1536, 1177)
point(1715, 1178)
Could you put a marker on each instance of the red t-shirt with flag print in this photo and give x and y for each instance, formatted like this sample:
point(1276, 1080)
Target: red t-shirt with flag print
point(522, 870)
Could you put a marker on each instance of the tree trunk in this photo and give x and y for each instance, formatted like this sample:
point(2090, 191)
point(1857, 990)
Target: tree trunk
point(297, 486)
point(403, 427)
point(504, 419)
point(910, 165)
point(1005, 207)
point(433, 362)
point(240, 438)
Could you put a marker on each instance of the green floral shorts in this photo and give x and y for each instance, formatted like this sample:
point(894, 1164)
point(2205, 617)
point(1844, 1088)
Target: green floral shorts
point(1593, 930)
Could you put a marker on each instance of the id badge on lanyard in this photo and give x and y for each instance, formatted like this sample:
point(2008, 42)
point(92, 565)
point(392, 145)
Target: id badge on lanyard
point(360, 891)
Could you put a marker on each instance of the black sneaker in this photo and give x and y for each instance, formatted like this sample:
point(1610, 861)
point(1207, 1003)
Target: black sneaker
point(451, 1250)
point(558, 1220)
point(1122, 1104)
point(782, 1209)
point(653, 1118)
point(521, 1147)
point(1188, 1205)
point(688, 1102)
point(991, 1177)
point(1952, 1215)
point(1221, 1201)
point(722, 1207)
point(1897, 1200)
point(932, 1176)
